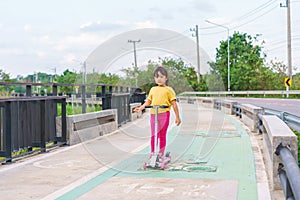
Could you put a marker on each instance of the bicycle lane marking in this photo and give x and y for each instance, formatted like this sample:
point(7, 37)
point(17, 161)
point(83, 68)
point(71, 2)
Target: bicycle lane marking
point(106, 171)
point(87, 183)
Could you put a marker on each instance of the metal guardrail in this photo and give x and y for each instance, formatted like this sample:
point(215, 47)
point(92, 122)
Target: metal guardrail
point(292, 121)
point(288, 170)
point(248, 93)
point(289, 173)
point(237, 110)
point(217, 104)
point(260, 125)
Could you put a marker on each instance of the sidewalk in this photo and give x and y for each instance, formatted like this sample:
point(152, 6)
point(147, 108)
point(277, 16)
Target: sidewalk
point(212, 158)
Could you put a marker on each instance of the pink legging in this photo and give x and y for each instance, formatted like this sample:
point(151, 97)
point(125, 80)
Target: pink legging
point(163, 124)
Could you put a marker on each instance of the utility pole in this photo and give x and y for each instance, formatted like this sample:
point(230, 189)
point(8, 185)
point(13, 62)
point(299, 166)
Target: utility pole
point(289, 46)
point(198, 53)
point(134, 54)
point(134, 50)
point(84, 73)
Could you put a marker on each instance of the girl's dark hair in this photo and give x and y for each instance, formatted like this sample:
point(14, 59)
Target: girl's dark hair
point(163, 71)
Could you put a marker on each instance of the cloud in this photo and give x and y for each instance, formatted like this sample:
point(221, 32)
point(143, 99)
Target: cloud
point(101, 26)
point(162, 13)
point(12, 52)
point(40, 54)
point(79, 41)
point(146, 24)
point(203, 6)
point(27, 27)
point(69, 58)
point(45, 39)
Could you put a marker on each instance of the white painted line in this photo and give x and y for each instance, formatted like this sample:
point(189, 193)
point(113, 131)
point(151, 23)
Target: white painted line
point(38, 157)
point(87, 177)
point(75, 184)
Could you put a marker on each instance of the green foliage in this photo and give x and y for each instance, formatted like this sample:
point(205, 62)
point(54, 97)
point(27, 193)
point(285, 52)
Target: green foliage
point(5, 90)
point(109, 78)
point(181, 76)
point(68, 77)
point(298, 135)
point(74, 110)
point(247, 69)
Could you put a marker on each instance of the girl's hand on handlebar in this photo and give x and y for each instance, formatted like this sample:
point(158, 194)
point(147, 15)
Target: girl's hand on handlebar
point(137, 109)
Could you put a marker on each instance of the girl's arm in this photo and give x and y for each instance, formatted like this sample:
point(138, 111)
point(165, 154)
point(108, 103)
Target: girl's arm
point(142, 107)
point(175, 108)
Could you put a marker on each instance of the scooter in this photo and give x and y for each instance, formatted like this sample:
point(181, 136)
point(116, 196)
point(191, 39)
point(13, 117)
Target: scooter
point(155, 161)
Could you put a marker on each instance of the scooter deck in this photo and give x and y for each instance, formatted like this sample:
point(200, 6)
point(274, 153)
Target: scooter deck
point(157, 165)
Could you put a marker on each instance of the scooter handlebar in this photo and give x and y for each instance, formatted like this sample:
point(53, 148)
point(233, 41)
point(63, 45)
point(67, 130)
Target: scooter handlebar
point(163, 106)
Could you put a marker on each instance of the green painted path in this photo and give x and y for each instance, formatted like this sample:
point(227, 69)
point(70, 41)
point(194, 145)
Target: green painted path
point(212, 158)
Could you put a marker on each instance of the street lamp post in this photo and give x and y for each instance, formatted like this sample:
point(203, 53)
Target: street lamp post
point(228, 51)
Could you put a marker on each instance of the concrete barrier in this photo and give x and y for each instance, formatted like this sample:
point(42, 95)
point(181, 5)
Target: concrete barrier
point(276, 132)
point(249, 116)
point(88, 126)
point(227, 106)
point(206, 102)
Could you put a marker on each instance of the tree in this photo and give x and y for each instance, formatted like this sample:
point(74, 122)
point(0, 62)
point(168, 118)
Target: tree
point(276, 79)
point(68, 77)
point(247, 68)
point(182, 77)
point(4, 77)
point(109, 78)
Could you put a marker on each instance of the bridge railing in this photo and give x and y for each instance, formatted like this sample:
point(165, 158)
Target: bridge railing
point(80, 90)
point(29, 124)
point(288, 173)
point(283, 93)
point(280, 143)
point(119, 98)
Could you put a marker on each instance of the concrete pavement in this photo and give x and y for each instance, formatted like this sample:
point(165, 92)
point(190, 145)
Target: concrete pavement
point(214, 156)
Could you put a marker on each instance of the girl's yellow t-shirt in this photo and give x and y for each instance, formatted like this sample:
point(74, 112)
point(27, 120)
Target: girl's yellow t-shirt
point(161, 96)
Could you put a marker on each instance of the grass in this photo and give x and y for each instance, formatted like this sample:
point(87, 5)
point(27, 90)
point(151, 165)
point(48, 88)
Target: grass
point(279, 96)
point(298, 135)
point(26, 151)
point(74, 110)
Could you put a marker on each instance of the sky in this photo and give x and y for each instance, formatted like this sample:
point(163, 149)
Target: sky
point(52, 36)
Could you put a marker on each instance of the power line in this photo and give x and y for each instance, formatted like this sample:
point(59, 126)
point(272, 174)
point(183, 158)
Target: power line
point(254, 11)
point(249, 14)
point(254, 19)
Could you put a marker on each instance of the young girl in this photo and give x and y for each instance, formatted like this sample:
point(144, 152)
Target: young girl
point(161, 94)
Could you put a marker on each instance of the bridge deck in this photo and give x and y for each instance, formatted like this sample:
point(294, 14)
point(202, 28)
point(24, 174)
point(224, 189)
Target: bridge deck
point(212, 158)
